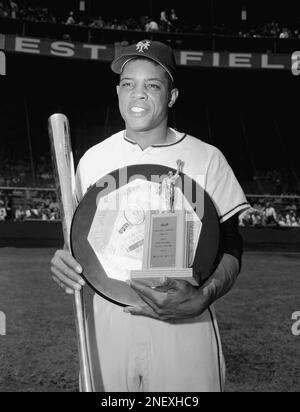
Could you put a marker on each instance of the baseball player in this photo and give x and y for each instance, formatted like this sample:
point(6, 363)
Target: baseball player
point(171, 342)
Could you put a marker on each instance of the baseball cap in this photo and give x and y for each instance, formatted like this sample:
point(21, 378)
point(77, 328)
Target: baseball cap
point(153, 50)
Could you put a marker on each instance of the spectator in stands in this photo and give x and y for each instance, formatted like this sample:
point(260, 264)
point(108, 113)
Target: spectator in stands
point(173, 20)
point(270, 215)
point(257, 218)
point(98, 23)
point(290, 217)
point(284, 34)
point(54, 214)
point(3, 213)
point(151, 25)
point(281, 221)
point(53, 205)
point(70, 19)
point(164, 21)
point(274, 29)
point(3, 12)
point(27, 212)
point(115, 24)
point(19, 214)
point(13, 9)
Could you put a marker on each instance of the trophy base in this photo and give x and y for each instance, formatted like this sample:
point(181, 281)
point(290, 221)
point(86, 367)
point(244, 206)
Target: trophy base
point(155, 277)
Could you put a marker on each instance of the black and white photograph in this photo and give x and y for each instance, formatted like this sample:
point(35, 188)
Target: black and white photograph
point(149, 198)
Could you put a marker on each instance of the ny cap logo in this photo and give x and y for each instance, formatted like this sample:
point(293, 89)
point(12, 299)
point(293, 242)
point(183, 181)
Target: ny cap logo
point(2, 64)
point(143, 45)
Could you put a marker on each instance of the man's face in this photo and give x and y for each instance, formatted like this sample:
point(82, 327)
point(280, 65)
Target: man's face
point(144, 95)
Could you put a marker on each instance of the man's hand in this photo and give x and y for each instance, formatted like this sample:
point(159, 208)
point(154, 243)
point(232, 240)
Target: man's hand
point(174, 300)
point(177, 299)
point(66, 271)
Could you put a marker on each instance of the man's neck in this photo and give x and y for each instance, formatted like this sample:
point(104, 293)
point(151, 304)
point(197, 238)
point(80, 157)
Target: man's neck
point(152, 137)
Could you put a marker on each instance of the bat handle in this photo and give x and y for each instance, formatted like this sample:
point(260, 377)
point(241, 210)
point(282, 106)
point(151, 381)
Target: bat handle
point(86, 380)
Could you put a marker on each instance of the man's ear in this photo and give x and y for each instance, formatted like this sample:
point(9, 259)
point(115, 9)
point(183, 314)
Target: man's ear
point(118, 89)
point(173, 97)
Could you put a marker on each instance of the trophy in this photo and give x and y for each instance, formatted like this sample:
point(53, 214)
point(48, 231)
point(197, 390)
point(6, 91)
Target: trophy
point(167, 240)
point(144, 222)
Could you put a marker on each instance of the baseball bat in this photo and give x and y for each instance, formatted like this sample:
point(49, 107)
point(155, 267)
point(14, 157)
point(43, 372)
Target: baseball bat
point(59, 134)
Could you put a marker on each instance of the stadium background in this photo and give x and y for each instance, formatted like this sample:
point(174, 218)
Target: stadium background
point(251, 115)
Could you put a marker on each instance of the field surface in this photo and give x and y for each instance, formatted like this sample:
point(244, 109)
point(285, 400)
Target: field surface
point(39, 351)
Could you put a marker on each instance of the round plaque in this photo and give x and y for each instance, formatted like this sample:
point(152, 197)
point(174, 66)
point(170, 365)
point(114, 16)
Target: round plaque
point(108, 228)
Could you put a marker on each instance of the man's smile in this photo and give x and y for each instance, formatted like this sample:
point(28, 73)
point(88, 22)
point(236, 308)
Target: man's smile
point(137, 111)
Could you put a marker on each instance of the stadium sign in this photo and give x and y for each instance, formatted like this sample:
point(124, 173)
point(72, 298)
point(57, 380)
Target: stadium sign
point(235, 60)
point(67, 49)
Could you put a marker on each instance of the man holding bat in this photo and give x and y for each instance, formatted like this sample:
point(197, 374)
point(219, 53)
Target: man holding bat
point(171, 341)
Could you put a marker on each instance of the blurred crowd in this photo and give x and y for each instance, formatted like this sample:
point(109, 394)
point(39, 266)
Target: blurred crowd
point(18, 206)
point(14, 10)
point(27, 205)
point(21, 200)
point(17, 172)
point(274, 182)
point(166, 21)
point(270, 29)
point(275, 214)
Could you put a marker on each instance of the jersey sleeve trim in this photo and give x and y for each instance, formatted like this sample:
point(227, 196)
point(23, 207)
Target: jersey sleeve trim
point(233, 211)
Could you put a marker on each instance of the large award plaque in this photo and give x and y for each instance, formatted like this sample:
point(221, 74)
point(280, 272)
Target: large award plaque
point(145, 222)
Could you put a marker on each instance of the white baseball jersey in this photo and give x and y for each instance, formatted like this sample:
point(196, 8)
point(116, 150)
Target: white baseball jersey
point(143, 354)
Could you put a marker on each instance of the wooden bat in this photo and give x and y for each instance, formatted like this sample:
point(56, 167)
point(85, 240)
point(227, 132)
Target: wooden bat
point(59, 134)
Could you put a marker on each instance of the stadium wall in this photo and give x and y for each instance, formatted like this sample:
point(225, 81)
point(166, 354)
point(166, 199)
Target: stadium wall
point(49, 234)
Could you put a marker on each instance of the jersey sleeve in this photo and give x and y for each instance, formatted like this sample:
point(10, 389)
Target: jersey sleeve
point(224, 188)
point(83, 178)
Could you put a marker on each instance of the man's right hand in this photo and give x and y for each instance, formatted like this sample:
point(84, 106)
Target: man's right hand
point(66, 271)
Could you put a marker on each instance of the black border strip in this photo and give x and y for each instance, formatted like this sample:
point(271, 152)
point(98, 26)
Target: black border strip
point(218, 348)
point(241, 204)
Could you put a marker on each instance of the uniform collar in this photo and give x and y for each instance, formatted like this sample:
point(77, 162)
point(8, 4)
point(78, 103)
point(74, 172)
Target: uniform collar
point(179, 138)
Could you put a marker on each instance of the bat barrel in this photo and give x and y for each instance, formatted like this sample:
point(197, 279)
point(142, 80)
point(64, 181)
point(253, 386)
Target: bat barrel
point(59, 134)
